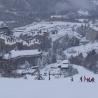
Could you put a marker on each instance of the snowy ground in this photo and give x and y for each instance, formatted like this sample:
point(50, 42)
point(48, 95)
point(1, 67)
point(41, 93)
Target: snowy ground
point(63, 88)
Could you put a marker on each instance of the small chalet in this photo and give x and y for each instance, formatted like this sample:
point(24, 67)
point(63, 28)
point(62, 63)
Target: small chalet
point(66, 68)
point(64, 64)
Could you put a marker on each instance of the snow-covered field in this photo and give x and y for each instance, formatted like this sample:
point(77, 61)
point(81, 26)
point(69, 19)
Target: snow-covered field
point(63, 88)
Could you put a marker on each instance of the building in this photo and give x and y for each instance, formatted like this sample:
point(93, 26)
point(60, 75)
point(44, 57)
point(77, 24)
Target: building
point(65, 64)
point(2, 46)
point(92, 35)
point(18, 58)
point(84, 41)
point(5, 30)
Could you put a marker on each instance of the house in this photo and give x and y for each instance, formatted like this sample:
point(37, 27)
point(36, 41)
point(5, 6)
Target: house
point(5, 30)
point(64, 64)
point(64, 68)
point(84, 41)
point(18, 58)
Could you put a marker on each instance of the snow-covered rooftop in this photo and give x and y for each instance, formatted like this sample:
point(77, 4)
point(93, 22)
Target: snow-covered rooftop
point(14, 54)
point(65, 63)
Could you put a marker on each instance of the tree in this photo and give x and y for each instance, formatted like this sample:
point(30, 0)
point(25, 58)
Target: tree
point(54, 58)
point(77, 59)
point(45, 43)
point(27, 65)
point(91, 59)
point(83, 29)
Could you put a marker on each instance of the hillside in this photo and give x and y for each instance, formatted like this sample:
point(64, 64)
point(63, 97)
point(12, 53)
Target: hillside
point(22, 12)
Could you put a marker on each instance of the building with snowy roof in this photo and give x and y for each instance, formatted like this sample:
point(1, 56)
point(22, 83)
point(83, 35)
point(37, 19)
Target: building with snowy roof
point(18, 58)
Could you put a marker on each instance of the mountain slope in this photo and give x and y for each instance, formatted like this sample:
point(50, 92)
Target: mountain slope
point(24, 11)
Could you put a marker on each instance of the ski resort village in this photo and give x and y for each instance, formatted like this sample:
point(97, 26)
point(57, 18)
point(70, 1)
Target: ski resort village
point(64, 55)
point(47, 50)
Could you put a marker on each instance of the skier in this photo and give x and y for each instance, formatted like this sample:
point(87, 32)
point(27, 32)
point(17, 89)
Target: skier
point(93, 80)
point(81, 79)
point(72, 79)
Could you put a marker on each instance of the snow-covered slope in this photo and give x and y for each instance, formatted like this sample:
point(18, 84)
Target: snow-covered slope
point(62, 28)
point(63, 88)
point(84, 49)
